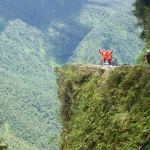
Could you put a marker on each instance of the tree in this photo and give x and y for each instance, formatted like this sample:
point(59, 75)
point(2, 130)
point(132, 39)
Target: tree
point(142, 12)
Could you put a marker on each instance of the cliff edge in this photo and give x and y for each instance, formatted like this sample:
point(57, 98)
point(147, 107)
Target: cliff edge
point(104, 108)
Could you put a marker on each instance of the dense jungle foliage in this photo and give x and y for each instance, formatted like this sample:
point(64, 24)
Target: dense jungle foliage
point(100, 113)
point(27, 90)
point(142, 11)
point(28, 101)
point(35, 36)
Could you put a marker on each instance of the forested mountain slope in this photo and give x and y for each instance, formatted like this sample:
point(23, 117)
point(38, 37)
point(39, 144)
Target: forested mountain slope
point(36, 35)
point(104, 108)
point(61, 32)
point(28, 101)
point(73, 29)
point(108, 32)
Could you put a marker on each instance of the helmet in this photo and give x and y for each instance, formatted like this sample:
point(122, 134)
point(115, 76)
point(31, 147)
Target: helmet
point(148, 51)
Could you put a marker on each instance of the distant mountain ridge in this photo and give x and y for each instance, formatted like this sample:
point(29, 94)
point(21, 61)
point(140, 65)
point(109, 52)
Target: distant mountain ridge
point(68, 25)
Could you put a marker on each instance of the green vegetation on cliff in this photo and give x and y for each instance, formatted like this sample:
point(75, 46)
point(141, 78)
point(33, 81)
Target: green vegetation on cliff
point(103, 112)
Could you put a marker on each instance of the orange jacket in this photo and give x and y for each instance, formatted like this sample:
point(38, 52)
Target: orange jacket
point(109, 54)
point(104, 54)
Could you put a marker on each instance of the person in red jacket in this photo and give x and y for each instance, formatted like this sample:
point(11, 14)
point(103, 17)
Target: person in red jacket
point(104, 55)
point(109, 57)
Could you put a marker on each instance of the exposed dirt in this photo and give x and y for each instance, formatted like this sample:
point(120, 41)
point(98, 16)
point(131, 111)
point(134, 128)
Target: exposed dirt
point(90, 67)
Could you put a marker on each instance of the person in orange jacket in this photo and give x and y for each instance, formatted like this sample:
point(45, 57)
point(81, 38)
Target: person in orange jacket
point(104, 55)
point(109, 56)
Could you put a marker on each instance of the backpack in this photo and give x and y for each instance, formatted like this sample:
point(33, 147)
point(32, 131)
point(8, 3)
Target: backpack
point(148, 54)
